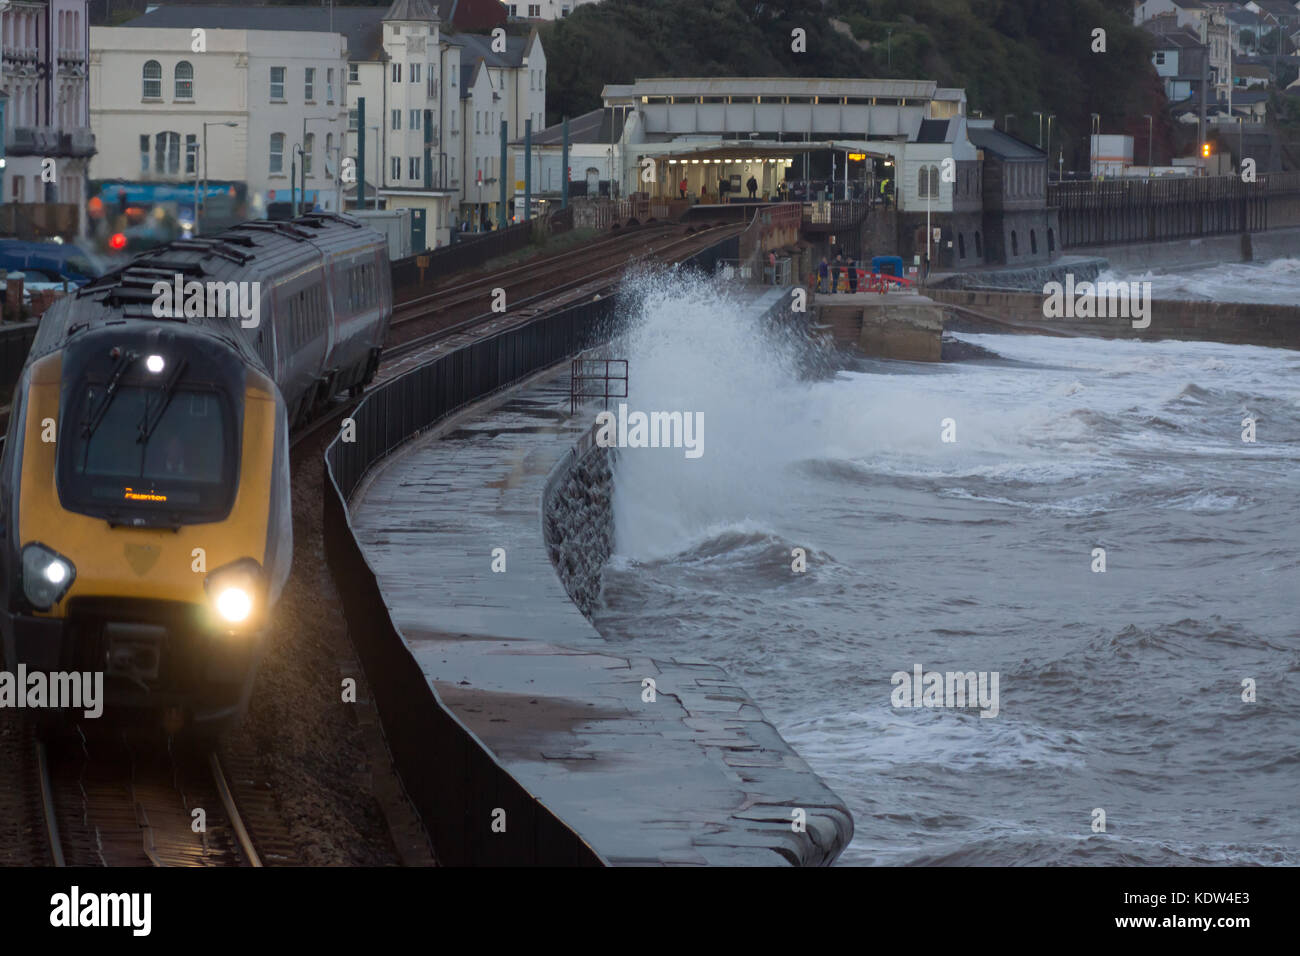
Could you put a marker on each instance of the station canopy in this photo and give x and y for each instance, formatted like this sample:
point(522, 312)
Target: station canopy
point(721, 151)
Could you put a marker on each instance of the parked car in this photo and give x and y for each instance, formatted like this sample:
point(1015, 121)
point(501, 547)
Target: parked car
point(50, 261)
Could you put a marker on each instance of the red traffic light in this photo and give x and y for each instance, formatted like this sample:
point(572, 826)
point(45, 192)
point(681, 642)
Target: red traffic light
point(117, 241)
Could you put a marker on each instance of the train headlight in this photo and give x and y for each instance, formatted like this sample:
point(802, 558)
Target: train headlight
point(47, 576)
point(233, 591)
point(234, 604)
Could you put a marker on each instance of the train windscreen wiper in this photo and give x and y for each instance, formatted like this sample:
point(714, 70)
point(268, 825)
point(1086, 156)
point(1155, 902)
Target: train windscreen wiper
point(110, 392)
point(165, 392)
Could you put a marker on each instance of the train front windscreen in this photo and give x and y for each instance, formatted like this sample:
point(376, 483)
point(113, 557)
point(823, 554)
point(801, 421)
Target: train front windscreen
point(147, 447)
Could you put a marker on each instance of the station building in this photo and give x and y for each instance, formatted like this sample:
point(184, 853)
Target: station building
point(895, 160)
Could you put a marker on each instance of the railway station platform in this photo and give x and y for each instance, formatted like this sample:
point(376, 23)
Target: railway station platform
point(696, 777)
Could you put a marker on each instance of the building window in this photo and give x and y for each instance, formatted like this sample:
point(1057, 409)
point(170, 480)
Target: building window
point(309, 84)
point(277, 153)
point(329, 150)
point(167, 153)
point(432, 90)
point(453, 77)
point(414, 119)
point(397, 73)
point(414, 165)
point(184, 80)
point(144, 154)
point(277, 83)
point(191, 154)
point(961, 245)
point(512, 9)
point(477, 117)
point(397, 119)
point(1160, 57)
point(453, 169)
point(329, 85)
point(354, 73)
point(415, 73)
point(308, 147)
point(534, 9)
point(1033, 242)
point(352, 120)
point(397, 167)
point(922, 183)
point(152, 80)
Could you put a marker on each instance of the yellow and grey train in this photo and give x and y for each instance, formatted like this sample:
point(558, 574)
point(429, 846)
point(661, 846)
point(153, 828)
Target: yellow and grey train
point(144, 482)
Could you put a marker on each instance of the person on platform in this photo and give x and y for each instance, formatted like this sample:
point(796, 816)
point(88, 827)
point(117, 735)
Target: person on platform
point(681, 187)
point(822, 273)
point(724, 187)
point(835, 273)
point(853, 277)
point(752, 186)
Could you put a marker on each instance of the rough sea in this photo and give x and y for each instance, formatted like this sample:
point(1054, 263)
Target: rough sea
point(1120, 691)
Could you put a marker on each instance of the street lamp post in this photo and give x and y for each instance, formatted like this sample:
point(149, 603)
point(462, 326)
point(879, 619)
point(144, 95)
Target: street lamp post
point(302, 151)
point(1092, 145)
point(1150, 133)
point(1050, 117)
point(1040, 128)
point(889, 48)
point(204, 198)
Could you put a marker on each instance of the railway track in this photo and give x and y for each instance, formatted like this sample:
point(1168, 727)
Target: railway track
point(108, 802)
point(597, 280)
point(450, 295)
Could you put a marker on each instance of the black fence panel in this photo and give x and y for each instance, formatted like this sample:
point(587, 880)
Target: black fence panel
point(454, 781)
point(473, 249)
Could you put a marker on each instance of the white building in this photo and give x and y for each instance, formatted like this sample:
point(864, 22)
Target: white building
point(262, 107)
point(507, 86)
point(755, 124)
point(544, 9)
point(1189, 13)
point(47, 110)
point(416, 80)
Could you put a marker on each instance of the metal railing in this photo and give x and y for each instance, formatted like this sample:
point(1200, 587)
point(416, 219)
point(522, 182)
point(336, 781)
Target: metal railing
point(587, 372)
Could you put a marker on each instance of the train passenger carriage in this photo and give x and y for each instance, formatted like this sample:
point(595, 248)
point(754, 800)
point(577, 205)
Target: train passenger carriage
point(144, 483)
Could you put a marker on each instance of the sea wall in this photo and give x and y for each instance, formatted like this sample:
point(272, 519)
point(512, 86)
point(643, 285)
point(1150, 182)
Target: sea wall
point(1277, 326)
point(1191, 253)
point(1082, 267)
point(578, 520)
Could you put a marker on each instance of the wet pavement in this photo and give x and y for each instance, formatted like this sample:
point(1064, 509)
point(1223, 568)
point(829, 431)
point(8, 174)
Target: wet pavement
point(695, 777)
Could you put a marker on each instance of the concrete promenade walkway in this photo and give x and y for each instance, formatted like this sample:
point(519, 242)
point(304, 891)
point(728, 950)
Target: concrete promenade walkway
point(696, 777)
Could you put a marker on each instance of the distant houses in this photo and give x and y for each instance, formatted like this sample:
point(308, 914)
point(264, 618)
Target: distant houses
point(253, 109)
